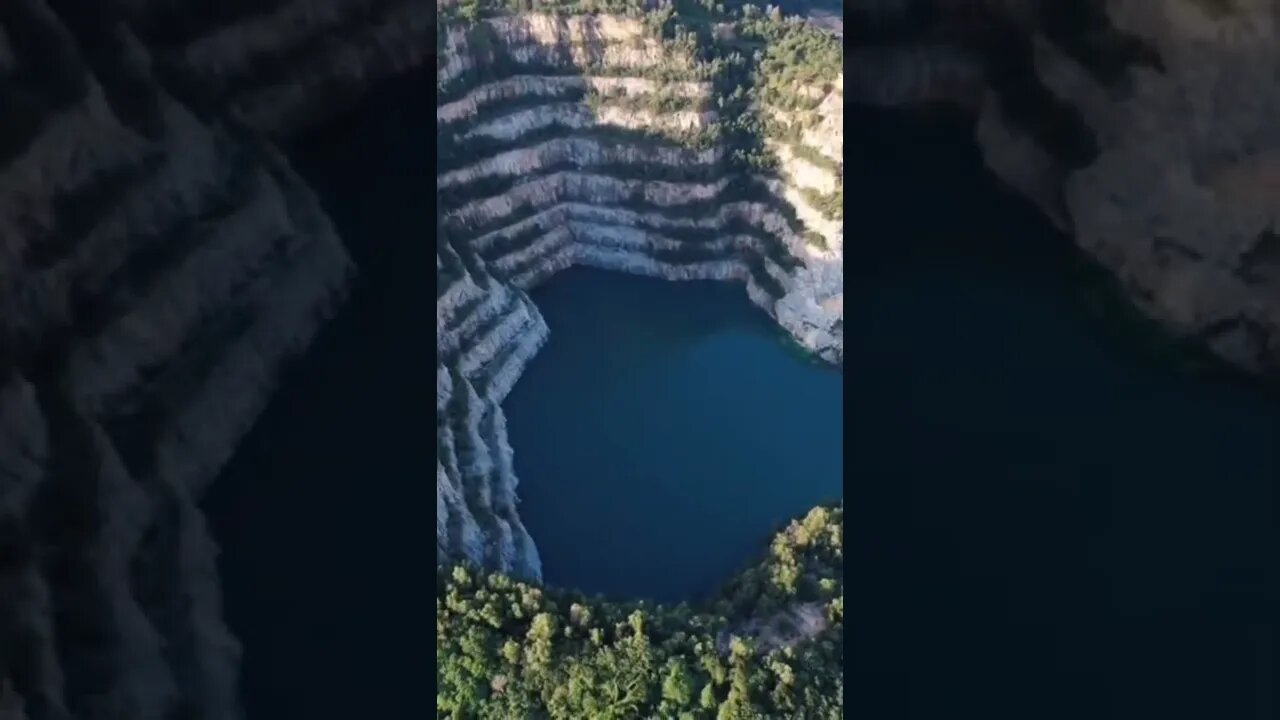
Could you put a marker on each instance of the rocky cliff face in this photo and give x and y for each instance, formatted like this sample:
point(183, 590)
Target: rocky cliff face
point(159, 259)
point(1145, 129)
point(591, 140)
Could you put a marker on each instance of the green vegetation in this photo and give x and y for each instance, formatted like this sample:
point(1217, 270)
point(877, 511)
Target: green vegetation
point(770, 646)
point(662, 101)
point(472, 10)
point(799, 62)
point(817, 159)
point(831, 205)
point(750, 56)
point(815, 239)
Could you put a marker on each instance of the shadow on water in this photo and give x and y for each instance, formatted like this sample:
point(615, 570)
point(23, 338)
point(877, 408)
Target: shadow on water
point(1071, 525)
point(324, 514)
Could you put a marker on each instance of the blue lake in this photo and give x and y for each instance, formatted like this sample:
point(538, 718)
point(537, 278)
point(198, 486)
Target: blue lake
point(664, 432)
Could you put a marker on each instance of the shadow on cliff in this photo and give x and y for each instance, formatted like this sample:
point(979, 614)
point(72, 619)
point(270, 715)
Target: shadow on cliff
point(320, 515)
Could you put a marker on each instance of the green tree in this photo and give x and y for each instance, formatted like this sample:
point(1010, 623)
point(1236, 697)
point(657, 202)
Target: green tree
point(677, 685)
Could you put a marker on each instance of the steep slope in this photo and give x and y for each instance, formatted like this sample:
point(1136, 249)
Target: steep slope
point(627, 142)
point(1183, 201)
point(1146, 130)
point(159, 260)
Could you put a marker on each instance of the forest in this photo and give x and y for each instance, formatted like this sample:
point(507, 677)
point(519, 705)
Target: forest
point(769, 644)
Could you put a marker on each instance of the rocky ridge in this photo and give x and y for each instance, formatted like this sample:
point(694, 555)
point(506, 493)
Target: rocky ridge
point(592, 139)
point(1145, 130)
point(159, 260)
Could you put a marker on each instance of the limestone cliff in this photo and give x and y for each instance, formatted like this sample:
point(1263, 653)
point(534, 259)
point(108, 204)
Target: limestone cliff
point(159, 259)
point(605, 140)
point(1147, 130)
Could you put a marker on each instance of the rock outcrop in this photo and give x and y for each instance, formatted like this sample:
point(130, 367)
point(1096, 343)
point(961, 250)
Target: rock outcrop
point(159, 259)
point(593, 140)
point(1146, 130)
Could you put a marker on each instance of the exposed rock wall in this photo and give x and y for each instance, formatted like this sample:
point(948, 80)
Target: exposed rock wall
point(282, 65)
point(561, 146)
point(1183, 201)
point(159, 259)
point(1147, 130)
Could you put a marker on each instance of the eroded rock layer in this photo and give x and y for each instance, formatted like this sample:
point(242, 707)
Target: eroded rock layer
point(597, 140)
point(1147, 130)
point(159, 260)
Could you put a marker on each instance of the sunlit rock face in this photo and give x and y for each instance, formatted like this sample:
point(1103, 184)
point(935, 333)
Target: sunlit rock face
point(557, 150)
point(159, 259)
point(1144, 129)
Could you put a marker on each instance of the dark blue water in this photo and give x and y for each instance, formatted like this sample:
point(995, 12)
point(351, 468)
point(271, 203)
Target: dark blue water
point(324, 515)
point(664, 432)
point(1052, 520)
point(1049, 519)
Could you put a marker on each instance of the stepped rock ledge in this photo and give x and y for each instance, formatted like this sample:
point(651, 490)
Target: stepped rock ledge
point(160, 258)
point(595, 140)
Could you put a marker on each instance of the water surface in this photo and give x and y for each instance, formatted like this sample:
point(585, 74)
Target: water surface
point(1054, 520)
point(664, 432)
point(324, 515)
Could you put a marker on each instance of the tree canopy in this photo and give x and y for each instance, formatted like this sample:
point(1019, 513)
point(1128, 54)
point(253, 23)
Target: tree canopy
point(770, 645)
